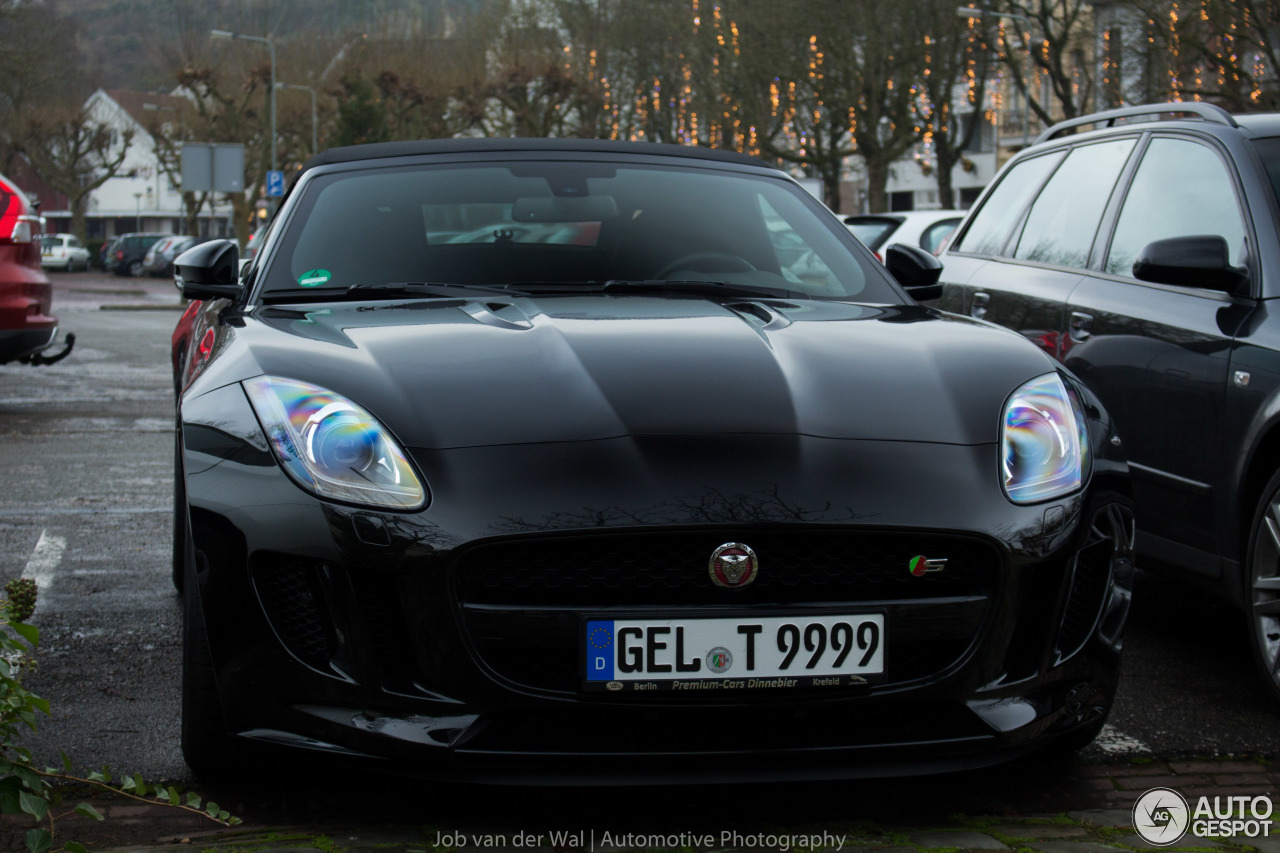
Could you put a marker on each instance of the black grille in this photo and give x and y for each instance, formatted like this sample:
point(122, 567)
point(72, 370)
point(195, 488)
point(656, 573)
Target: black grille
point(292, 598)
point(1088, 590)
point(524, 601)
point(672, 569)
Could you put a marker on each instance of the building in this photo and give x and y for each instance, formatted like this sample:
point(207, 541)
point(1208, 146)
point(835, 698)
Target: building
point(143, 197)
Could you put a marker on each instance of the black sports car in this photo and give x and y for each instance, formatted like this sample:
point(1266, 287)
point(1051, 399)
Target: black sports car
point(578, 460)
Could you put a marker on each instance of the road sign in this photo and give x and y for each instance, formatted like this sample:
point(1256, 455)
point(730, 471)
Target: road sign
point(212, 166)
point(275, 183)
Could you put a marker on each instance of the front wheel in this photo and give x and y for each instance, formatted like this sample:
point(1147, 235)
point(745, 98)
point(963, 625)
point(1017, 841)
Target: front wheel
point(207, 748)
point(1262, 586)
point(136, 269)
point(179, 513)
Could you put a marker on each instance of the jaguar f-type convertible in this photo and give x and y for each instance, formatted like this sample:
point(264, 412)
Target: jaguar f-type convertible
point(581, 461)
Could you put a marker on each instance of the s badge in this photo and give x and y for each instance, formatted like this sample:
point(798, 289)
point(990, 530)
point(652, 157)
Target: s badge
point(919, 565)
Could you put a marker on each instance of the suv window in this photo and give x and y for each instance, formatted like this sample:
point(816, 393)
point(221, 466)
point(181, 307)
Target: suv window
point(931, 240)
point(987, 233)
point(1064, 219)
point(1181, 189)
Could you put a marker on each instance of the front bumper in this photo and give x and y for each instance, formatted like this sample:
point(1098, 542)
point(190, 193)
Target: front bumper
point(445, 643)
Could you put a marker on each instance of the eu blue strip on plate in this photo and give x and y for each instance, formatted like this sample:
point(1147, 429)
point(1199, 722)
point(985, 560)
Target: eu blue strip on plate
point(600, 651)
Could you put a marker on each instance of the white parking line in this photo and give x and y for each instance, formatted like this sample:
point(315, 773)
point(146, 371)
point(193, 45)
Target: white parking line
point(1115, 742)
point(45, 559)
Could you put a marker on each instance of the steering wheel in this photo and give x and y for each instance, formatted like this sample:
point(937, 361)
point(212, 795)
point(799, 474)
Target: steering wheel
point(707, 262)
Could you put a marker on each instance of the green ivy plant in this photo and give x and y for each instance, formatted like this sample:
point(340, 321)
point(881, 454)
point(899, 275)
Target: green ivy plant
point(26, 789)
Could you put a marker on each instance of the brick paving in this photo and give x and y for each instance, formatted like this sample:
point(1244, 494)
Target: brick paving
point(1024, 807)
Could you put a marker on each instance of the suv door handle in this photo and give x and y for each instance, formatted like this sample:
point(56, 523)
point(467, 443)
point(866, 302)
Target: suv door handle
point(978, 310)
point(1081, 324)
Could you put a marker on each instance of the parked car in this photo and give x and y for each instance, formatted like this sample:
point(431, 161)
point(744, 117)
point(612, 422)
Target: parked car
point(27, 324)
point(1145, 255)
point(63, 252)
point(255, 240)
point(927, 229)
point(632, 503)
point(105, 253)
point(159, 249)
point(129, 251)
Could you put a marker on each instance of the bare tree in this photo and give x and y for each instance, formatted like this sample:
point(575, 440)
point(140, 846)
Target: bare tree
point(958, 58)
point(1047, 46)
point(226, 109)
point(35, 70)
point(168, 137)
point(74, 154)
point(1225, 51)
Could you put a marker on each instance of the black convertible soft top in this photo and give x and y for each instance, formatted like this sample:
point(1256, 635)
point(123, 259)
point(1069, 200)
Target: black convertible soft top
point(380, 150)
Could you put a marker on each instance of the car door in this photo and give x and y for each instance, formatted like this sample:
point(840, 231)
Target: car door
point(1158, 355)
point(1035, 259)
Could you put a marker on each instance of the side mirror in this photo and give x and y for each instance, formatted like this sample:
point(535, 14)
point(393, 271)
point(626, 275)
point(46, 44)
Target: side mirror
point(209, 271)
point(1201, 261)
point(915, 269)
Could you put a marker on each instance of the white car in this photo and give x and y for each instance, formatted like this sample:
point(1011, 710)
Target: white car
point(925, 229)
point(63, 252)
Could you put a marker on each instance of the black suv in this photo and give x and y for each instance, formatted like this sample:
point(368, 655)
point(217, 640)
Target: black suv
point(127, 253)
point(1145, 255)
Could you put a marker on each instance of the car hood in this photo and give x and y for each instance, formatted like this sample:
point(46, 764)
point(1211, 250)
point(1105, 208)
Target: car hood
point(459, 373)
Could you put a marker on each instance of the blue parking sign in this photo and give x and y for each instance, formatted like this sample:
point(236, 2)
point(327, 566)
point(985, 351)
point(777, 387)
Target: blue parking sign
point(275, 182)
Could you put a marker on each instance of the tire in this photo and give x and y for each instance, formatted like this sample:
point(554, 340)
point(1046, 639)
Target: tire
point(179, 513)
point(1262, 587)
point(1078, 739)
point(137, 270)
point(206, 746)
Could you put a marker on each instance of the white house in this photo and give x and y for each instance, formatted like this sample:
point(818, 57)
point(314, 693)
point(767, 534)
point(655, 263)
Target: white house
point(142, 197)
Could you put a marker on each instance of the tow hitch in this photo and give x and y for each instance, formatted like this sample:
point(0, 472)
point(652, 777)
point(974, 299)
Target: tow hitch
point(38, 358)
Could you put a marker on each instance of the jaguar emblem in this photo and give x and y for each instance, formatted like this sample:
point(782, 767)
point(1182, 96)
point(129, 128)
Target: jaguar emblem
point(733, 565)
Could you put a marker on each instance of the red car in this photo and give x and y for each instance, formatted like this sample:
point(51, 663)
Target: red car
point(27, 328)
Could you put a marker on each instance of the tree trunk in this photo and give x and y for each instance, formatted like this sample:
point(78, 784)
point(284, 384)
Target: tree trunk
point(877, 180)
point(191, 203)
point(946, 160)
point(78, 203)
point(241, 218)
point(831, 173)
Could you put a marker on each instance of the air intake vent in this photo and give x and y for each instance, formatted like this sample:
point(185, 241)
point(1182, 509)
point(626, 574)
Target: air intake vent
point(293, 600)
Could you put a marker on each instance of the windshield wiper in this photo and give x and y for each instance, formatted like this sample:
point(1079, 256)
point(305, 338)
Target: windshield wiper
point(390, 290)
point(700, 288)
point(427, 288)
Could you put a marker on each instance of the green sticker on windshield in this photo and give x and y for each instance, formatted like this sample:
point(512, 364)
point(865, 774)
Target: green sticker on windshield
point(314, 278)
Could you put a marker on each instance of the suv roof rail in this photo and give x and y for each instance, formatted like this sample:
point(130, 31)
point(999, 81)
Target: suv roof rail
point(1208, 112)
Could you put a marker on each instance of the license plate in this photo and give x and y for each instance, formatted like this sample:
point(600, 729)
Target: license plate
point(728, 654)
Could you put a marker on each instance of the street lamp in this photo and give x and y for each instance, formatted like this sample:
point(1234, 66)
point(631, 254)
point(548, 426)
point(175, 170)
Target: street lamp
point(315, 145)
point(227, 34)
point(970, 12)
point(137, 221)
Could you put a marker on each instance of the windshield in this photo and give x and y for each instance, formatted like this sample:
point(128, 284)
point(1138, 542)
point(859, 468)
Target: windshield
point(553, 223)
point(47, 243)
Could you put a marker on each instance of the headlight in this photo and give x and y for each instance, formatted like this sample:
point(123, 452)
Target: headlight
point(1042, 441)
point(331, 446)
